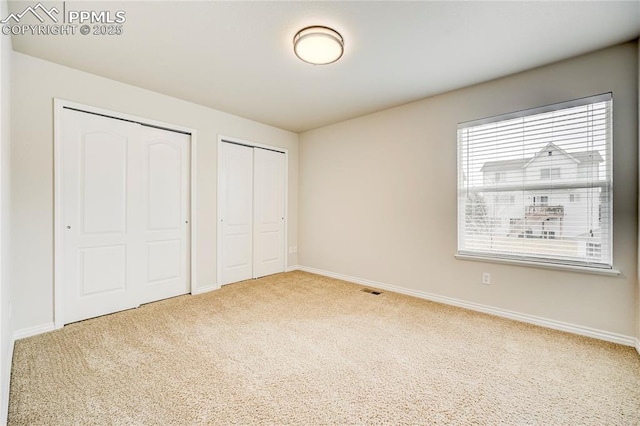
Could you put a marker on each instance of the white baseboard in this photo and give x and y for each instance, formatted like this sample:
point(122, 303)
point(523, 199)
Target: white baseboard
point(531, 319)
point(292, 268)
point(638, 346)
point(205, 289)
point(6, 383)
point(32, 331)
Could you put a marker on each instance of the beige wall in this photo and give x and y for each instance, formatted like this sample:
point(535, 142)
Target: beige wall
point(35, 84)
point(5, 228)
point(378, 197)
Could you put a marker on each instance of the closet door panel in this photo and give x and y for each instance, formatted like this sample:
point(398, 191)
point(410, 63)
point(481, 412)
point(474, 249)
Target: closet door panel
point(236, 213)
point(268, 212)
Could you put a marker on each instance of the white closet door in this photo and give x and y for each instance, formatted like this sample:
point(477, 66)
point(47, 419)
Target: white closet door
point(164, 217)
point(268, 212)
point(99, 165)
point(236, 212)
point(125, 198)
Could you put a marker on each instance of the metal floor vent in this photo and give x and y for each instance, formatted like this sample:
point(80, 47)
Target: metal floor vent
point(374, 292)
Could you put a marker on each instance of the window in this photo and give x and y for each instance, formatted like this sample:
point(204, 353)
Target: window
point(594, 250)
point(550, 173)
point(496, 177)
point(536, 147)
point(541, 200)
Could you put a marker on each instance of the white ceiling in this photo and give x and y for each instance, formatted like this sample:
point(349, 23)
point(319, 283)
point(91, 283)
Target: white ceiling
point(238, 56)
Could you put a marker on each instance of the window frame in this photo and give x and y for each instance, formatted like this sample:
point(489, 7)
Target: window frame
point(555, 262)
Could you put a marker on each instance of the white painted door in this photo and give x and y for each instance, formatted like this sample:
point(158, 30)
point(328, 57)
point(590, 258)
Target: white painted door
point(268, 212)
point(118, 188)
point(236, 212)
point(165, 214)
point(252, 212)
point(98, 262)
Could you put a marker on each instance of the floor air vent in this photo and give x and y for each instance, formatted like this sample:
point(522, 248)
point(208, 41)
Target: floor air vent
point(374, 292)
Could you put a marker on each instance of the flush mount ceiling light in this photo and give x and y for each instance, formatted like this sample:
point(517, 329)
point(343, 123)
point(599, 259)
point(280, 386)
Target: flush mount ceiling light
point(318, 45)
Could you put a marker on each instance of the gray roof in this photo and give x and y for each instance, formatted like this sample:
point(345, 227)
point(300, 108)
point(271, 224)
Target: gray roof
point(504, 165)
point(580, 157)
point(583, 156)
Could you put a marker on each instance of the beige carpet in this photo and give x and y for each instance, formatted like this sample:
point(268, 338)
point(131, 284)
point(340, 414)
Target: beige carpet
point(297, 348)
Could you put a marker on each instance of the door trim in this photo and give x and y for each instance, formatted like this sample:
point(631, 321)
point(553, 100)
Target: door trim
point(58, 226)
point(238, 141)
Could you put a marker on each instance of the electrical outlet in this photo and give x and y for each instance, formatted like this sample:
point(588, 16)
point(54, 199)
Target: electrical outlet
point(295, 249)
point(486, 278)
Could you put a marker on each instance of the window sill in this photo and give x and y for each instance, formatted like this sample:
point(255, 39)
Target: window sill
point(571, 268)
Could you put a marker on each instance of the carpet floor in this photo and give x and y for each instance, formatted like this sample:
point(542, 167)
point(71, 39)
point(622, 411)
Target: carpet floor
point(298, 348)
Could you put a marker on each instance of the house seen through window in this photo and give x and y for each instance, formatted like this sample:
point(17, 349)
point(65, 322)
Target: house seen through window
point(536, 185)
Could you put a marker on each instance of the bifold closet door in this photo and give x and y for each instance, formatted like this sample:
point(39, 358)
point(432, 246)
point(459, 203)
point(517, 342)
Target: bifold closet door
point(252, 194)
point(125, 202)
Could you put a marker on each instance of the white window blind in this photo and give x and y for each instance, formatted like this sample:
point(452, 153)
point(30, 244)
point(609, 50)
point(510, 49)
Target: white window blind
point(553, 200)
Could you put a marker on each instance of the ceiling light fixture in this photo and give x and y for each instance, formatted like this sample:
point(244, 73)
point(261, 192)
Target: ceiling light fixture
point(318, 45)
